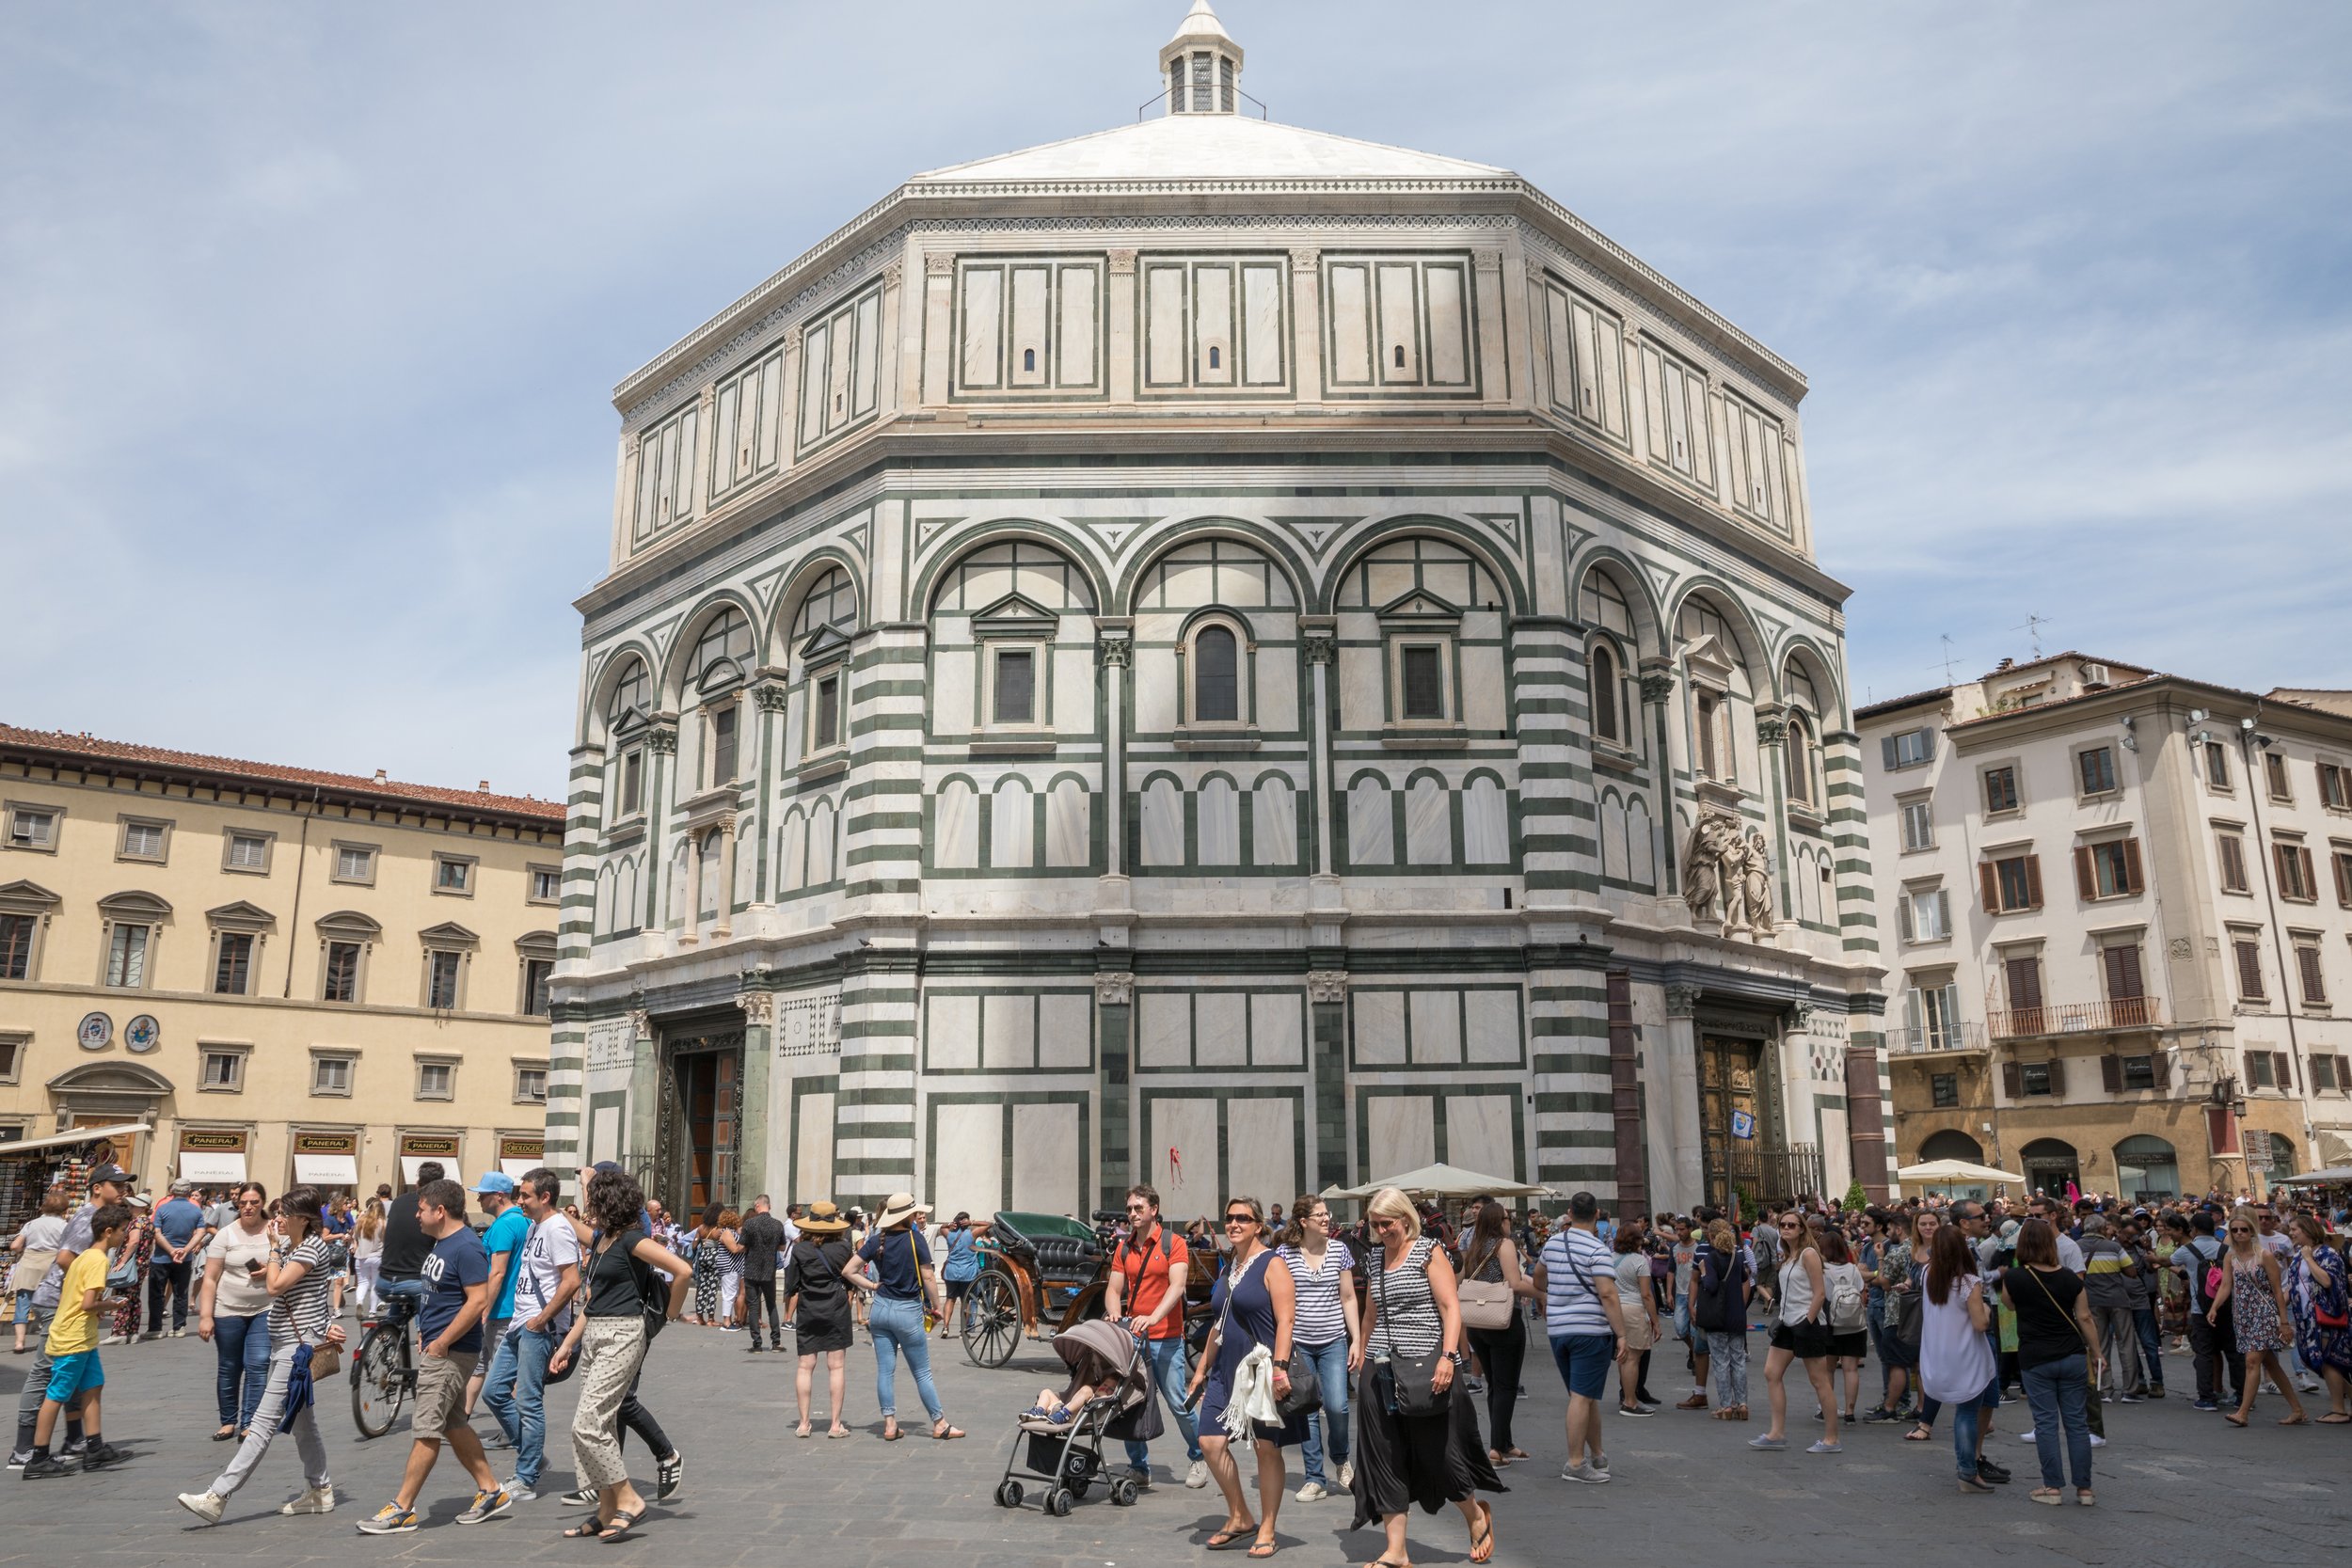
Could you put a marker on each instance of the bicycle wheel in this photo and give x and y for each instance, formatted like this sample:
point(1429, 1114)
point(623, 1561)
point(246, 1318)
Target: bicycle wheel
point(379, 1381)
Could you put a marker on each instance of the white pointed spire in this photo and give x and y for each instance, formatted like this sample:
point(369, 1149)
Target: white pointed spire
point(1202, 65)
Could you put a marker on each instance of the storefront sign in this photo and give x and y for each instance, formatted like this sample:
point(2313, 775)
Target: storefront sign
point(522, 1148)
point(424, 1147)
point(326, 1143)
point(210, 1142)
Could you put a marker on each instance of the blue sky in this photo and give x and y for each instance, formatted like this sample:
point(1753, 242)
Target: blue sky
point(311, 314)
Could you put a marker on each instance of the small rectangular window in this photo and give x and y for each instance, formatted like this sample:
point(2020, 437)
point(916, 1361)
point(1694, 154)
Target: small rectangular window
point(1910, 748)
point(2231, 850)
point(531, 1084)
point(441, 980)
point(632, 783)
point(2216, 764)
point(2250, 968)
point(827, 723)
point(355, 863)
point(450, 874)
point(2096, 769)
point(435, 1081)
point(1016, 686)
point(16, 946)
point(2260, 1073)
point(223, 1069)
point(2113, 869)
point(143, 841)
point(538, 976)
point(723, 745)
point(32, 828)
point(1944, 1090)
point(248, 852)
point(2297, 880)
point(126, 955)
point(2013, 882)
point(330, 1075)
point(232, 966)
point(2323, 1072)
point(2275, 774)
point(2000, 790)
point(2335, 787)
point(343, 971)
point(2034, 1078)
point(2313, 977)
point(547, 884)
point(1424, 682)
point(1918, 825)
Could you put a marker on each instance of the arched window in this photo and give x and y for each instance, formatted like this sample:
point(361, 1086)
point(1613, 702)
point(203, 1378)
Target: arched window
point(632, 694)
point(1603, 604)
point(2147, 1167)
point(831, 601)
point(722, 653)
point(1216, 675)
point(1952, 1144)
point(1799, 744)
point(821, 629)
point(1607, 718)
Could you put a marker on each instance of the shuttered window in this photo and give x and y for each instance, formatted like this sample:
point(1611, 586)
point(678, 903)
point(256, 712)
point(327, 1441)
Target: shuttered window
point(1910, 748)
point(2275, 773)
point(2250, 968)
point(2342, 860)
point(2231, 849)
point(2011, 883)
point(2298, 879)
point(2216, 764)
point(2315, 979)
point(1918, 825)
point(2108, 870)
point(1425, 683)
point(2023, 976)
point(2122, 963)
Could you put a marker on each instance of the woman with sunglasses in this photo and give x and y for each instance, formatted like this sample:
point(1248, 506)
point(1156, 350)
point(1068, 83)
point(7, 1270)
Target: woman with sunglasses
point(1253, 1306)
point(2318, 1293)
point(1404, 1459)
point(1799, 1332)
point(232, 1311)
point(2253, 1287)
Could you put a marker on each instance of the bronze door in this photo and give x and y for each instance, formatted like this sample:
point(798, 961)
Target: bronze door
point(701, 1123)
point(1729, 1100)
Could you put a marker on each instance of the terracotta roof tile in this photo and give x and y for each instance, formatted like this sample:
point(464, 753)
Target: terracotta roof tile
point(58, 743)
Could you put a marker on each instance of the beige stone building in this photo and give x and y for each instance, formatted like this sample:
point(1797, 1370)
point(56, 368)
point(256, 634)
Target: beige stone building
point(2115, 907)
point(285, 974)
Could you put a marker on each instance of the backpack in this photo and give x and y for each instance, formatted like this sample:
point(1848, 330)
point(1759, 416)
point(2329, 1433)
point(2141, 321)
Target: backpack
point(1845, 1299)
point(2207, 1279)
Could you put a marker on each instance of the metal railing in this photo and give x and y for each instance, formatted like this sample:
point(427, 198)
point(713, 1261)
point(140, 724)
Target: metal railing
point(1918, 1038)
point(2076, 1017)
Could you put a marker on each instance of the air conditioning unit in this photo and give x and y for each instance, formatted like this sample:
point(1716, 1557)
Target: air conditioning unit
point(2096, 674)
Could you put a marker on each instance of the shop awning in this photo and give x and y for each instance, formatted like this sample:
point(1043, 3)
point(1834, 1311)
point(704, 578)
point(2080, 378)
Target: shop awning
point(327, 1170)
point(79, 1135)
point(519, 1169)
point(409, 1163)
point(210, 1167)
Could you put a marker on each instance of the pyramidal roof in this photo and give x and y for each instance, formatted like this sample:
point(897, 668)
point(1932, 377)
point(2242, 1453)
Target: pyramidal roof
point(1209, 147)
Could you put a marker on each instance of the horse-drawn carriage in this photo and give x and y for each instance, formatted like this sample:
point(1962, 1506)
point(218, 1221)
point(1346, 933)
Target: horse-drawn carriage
point(1041, 1274)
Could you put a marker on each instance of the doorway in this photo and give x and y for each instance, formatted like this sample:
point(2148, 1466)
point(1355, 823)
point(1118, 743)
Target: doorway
point(2051, 1165)
point(1731, 1116)
point(700, 1137)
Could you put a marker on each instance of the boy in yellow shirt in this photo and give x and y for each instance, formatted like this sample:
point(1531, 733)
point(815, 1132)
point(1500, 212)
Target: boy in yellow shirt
point(74, 1374)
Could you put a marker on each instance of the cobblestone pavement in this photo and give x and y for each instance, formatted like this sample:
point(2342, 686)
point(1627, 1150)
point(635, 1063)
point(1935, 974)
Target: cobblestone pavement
point(2175, 1486)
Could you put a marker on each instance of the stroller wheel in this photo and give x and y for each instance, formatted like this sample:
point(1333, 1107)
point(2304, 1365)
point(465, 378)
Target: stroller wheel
point(1058, 1502)
point(1008, 1494)
point(1122, 1494)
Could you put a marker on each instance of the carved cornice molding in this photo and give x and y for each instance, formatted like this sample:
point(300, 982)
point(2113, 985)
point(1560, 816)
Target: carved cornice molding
point(1114, 988)
point(1326, 985)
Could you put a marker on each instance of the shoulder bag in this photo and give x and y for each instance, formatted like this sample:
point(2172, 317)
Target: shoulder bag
point(1306, 1389)
point(1413, 1377)
point(1484, 1304)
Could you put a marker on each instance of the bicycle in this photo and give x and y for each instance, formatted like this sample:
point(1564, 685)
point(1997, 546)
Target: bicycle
point(384, 1373)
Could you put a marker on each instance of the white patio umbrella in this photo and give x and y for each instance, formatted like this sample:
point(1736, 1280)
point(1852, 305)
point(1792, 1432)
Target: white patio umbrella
point(1443, 1182)
point(1945, 1172)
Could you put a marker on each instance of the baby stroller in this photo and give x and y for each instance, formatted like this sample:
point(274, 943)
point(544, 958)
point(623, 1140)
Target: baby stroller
point(1068, 1455)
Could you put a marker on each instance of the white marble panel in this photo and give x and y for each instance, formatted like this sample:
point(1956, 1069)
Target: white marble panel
point(1428, 824)
point(823, 842)
point(1478, 1135)
point(951, 1032)
point(792, 857)
point(1483, 701)
point(1163, 1028)
point(1379, 1028)
point(1068, 832)
point(813, 356)
point(1485, 824)
point(1217, 807)
point(1163, 823)
point(1436, 1034)
point(1276, 1030)
point(1156, 690)
point(1371, 833)
point(1362, 697)
point(1007, 1032)
point(1078, 326)
point(1219, 1029)
point(1274, 822)
point(1351, 326)
point(1399, 324)
point(1164, 326)
point(1212, 325)
point(1026, 363)
point(604, 1135)
point(865, 380)
point(839, 370)
point(1074, 691)
point(1262, 326)
point(1400, 1134)
point(1065, 1030)
point(1045, 1157)
point(1494, 1026)
point(1449, 327)
point(1011, 826)
point(1182, 1156)
point(812, 1163)
point(1277, 687)
point(1157, 625)
point(1613, 840)
point(1262, 1151)
point(983, 326)
point(770, 407)
point(956, 827)
point(952, 673)
point(968, 1158)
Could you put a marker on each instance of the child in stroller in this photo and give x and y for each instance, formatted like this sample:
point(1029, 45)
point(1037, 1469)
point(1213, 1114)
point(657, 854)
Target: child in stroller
point(1091, 1378)
point(1059, 1440)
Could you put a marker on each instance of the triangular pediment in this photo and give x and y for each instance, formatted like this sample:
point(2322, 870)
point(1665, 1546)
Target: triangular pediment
point(824, 645)
point(1709, 653)
point(241, 916)
point(1015, 613)
point(26, 897)
point(1418, 604)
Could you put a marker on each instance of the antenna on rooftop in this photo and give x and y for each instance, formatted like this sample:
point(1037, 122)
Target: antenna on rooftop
point(1948, 660)
point(2033, 628)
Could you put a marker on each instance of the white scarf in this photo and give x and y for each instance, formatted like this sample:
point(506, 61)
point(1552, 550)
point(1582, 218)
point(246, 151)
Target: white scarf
point(1252, 1397)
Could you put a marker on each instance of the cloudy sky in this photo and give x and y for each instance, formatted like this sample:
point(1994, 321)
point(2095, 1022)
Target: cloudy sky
point(309, 316)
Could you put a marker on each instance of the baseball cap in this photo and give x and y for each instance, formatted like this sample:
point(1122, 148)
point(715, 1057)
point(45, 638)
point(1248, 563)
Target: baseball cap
point(182, 1186)
point(494, 1181)
point(607, 1167)
point(109, 1172)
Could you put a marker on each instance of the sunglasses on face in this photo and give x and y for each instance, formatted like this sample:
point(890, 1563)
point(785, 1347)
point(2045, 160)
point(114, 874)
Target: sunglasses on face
point(2241, 1230)
point(1241, 1219)
point(1139, 1207)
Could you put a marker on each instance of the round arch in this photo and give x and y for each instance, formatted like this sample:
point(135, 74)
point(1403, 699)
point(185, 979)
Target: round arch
point(1078, 552)
point(823, 558)
point(1822, 672)
point(1952, 1144)
point(1369, 535)
point(1175, 535)
point(1724, 603)
point(1648, 638)
point(608, 673)
point(670, 684)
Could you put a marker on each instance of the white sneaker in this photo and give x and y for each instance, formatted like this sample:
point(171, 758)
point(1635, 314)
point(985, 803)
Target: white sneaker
point(2026, 1436)
point(1585, 1473)
point(516, 1492)
point(2307, 1385)
point(1347, 1475)
point(204, 1505)
point(1312, 1493)
point(315, 1500)
point(1198, 1477)
point(2097, 1441)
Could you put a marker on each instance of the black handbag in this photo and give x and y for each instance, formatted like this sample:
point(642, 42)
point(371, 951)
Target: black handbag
point(1306, 1389)
point(1414, 1378)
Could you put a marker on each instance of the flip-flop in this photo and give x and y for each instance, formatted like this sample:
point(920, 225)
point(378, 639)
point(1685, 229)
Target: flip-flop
point(1918, 1435)
point(894, 1434)
point(2297, 1419)
point(2233, 1418)
point(1486, 1538)
point(841, 1432)
point(588, 1531)
point(2334, 1419)
point(799, 1431)
point(1262, 1548)
point(1225, 1538)
point(947, 1432)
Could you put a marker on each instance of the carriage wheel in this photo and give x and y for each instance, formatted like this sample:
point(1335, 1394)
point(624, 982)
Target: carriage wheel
point(991, 1320)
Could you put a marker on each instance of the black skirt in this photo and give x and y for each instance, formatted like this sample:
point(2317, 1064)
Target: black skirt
point(1403, 1460)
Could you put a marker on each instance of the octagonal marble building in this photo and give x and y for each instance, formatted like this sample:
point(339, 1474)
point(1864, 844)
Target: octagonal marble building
point(1222, 655)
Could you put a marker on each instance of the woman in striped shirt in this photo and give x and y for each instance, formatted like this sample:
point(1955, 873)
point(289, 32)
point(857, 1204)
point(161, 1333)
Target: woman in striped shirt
point(1328, 1330)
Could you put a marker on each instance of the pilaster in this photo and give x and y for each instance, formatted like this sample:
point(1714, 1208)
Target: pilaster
point(874, 1137)
point(1115, 1010)
point(752, 1108)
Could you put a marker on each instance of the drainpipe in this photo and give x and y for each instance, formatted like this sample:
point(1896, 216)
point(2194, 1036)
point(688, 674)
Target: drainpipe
point(2255, 789)
point(293, 924)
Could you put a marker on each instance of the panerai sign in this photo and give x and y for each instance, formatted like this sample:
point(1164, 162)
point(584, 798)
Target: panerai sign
point(326, 1143)
point(212, 1143)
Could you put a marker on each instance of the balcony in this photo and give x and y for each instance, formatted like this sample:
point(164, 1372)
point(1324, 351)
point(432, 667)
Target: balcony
point(1927, 1039)
point(2077, 1017)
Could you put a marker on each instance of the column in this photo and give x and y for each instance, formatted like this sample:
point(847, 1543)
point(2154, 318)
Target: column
point(1321, 637)
point(1674, 1072)
point(1119, 301)
point(1567, 1025)
point(690, 928)
point(1658, 691)
point(753, 1111)
point(772, 700)
point(644, 1089)
point(1771, 742)
point(1326, 1002)
point(1115, 645)
point(1115, 1010)
point(660, 761)
point(567, 1033)
point(1496, 327)
point(725, 926)
point(1306, 310)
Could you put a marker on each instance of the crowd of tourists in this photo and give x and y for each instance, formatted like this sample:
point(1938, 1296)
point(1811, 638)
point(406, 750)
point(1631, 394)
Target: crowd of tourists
point(1373, 1348)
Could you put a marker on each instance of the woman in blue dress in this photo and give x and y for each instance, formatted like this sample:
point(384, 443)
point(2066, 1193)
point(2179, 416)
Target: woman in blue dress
point(1253, 1306)
point(2316, 1286)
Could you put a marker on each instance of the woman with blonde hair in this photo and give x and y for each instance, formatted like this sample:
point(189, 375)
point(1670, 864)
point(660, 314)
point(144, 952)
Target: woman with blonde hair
point(1255, 1306)
point(1721, 1285)
point(2253, 1287)
point(1418, 1439)
point(1799, 1332)
point(2318, 1292)
point(367, 1255)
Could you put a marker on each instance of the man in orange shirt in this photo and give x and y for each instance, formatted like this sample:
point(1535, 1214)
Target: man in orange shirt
point(1145, 1293)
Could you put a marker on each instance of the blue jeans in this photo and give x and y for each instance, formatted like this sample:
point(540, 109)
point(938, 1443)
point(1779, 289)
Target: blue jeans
point(23, 1308)
point(243, 1346)
point(2060, 1392)
point(1330, 1363)
point(2151, 1345)
point(898, 1329)
point(512, 1390)
point(1168, 1371)
point(1964, 1434)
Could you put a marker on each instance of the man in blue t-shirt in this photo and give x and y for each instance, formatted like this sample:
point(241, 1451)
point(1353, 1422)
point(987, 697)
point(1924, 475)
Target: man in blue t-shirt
point(509, 1228)
point(179, 1232)
point(456, 1277)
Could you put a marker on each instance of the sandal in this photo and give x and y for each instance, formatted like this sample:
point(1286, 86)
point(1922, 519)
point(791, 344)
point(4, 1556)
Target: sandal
point(587, 1531)
point(1264, 1548)
point(1225, 1538)
point(613, 1533)
point(2233, 1418)
point(2297, 1419)
point(2082, 1495)
point(2334, 1419)
point(841, 1431)
point(2047, 1495)
point(1482, 1544)
point(947, 1432)
point(1919, 1434)
point(800, 1430)
point(891, 1430)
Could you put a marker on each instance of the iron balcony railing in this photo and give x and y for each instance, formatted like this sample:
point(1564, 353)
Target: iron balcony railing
point(2076, 1017)
point(1913, 1039)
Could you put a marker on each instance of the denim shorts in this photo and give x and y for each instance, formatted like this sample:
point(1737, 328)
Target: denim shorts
point(1584, 1360)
